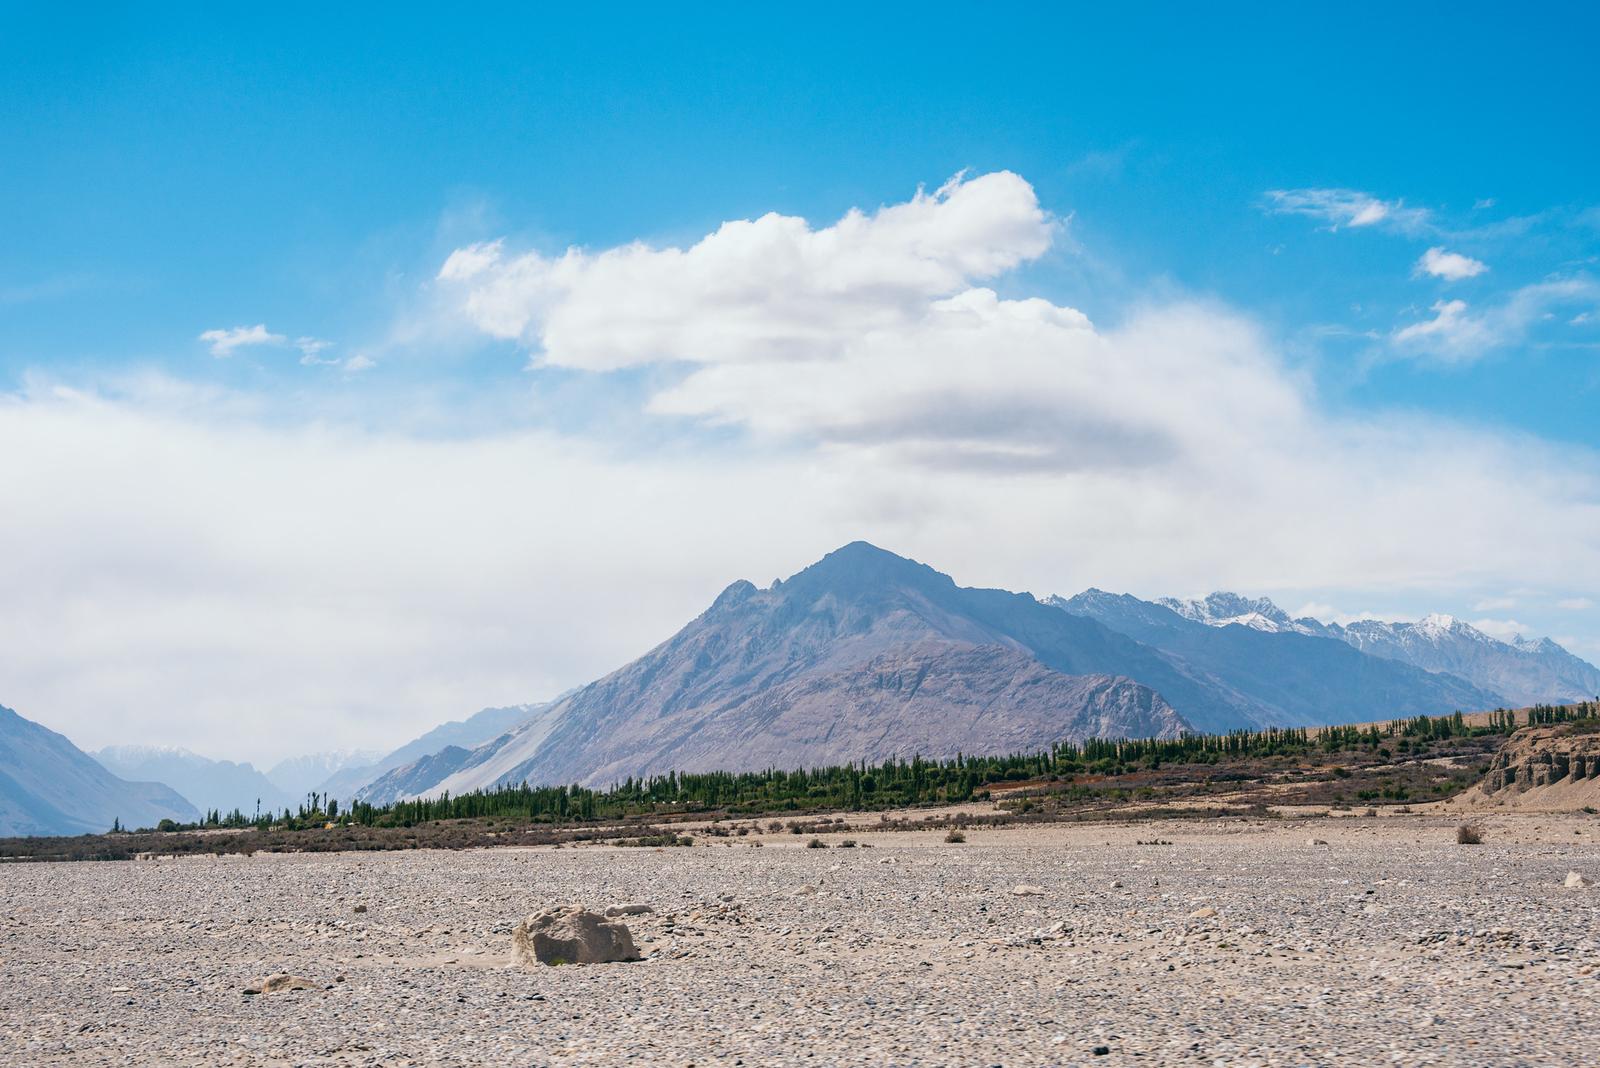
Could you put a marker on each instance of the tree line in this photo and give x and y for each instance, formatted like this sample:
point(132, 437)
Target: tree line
point(893, 783)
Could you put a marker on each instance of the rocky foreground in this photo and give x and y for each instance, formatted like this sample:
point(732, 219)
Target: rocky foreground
point(1217, 943)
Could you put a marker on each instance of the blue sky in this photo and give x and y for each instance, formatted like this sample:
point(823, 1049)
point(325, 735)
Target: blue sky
point(1264, 184)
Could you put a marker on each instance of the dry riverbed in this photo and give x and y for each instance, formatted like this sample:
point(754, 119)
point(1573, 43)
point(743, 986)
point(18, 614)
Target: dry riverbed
point(1224, 943)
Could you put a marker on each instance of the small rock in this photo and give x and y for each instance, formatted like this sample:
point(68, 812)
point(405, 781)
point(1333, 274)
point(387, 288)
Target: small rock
point(1578, 879)
point(571, 935)
point(1315, 842)
point(1203, 914)
point(1027, 890)
point(361, 908)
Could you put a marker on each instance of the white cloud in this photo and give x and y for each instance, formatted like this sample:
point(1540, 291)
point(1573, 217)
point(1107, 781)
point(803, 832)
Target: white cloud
point(359, 362)
point(1575, 604)
point(1456, 334)
point(1347, 207)
point(311, 350)
point(1494, 604)
point(754, 289)
point(225, 343)
point(1451, 266)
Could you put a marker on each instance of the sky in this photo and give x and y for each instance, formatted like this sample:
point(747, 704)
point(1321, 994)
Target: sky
point(357, 373)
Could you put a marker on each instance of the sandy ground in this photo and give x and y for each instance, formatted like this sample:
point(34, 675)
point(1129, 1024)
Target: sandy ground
point(1388, 945)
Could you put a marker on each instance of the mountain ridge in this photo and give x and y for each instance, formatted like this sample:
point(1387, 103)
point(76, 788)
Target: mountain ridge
point(50, 786)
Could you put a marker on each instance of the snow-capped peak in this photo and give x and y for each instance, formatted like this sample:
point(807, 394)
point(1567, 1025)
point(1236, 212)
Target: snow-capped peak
point(1221, 608)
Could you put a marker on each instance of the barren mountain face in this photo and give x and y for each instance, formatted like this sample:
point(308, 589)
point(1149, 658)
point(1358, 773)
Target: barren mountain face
point(862, 656)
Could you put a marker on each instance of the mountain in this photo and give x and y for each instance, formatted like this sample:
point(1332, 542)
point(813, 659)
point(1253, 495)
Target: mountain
point(1526, 672)
point(50, 786)
point(1258, 650)
point(1520, 672)
point(298, 776)
point(1220, 609)
point(862, 656)
point(464, 734)
point(208, 784)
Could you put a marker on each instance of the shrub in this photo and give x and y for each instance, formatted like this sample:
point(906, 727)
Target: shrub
point(955, 837)
point(816, 843)
point(1467, 834)
point(848, 843)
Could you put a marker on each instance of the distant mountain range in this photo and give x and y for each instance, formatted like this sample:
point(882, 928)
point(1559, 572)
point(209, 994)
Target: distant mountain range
point(1519, 672)
point(866, 655)
point(207, 784)
point(470, 732)
point(50, 786)
point(299, 776)
point(1304, 678)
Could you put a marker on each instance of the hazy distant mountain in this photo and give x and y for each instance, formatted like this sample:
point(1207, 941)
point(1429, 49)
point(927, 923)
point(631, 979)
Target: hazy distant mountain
point(50, 786)
point(1259, 651)
point(298, 776)
point(466, 734)
point(207, 784)
point(1519, 672)
point(1526, 672)
point(864, 655)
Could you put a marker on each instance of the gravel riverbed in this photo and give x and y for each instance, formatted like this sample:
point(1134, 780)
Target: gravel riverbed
point(1222, 943)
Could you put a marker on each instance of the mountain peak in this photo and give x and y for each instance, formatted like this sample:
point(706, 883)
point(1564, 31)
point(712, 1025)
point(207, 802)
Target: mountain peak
point(1222, 607)
point(859, 566)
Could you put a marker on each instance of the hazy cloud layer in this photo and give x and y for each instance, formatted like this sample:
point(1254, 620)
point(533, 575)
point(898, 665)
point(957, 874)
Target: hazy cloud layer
point(246, 583)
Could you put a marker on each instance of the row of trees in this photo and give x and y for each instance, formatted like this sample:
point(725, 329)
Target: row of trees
point(892, 783)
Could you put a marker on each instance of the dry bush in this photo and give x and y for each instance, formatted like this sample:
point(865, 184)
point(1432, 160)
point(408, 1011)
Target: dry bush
point(1467, 834)
point(955, 837)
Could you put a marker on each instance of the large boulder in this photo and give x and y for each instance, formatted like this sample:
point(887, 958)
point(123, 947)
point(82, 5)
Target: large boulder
point(571, 935)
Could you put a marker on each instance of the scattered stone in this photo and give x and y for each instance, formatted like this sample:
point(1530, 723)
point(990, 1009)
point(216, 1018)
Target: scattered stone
point(1027, 890)
point(276, 984)
point(1578, 879)
point(361, 908)
point(1203, 914)
point(1315, 842)
point(633, 909)
point(571, 934)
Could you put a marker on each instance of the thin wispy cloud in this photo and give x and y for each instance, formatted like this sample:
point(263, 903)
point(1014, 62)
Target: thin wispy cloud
point(1340, 208)
point(224, 343)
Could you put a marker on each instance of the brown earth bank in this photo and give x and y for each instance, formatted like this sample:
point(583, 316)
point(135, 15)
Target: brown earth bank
point(1348, 941)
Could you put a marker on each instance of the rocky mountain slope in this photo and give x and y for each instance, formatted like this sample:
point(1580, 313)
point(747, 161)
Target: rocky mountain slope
point(50, 786)
point(1308, 678)
point(863, 655)
point(466, 734)
point(1520, 672)
point(205, 783)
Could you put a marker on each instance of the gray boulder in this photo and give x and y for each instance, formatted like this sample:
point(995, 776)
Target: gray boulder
point(571, 934)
